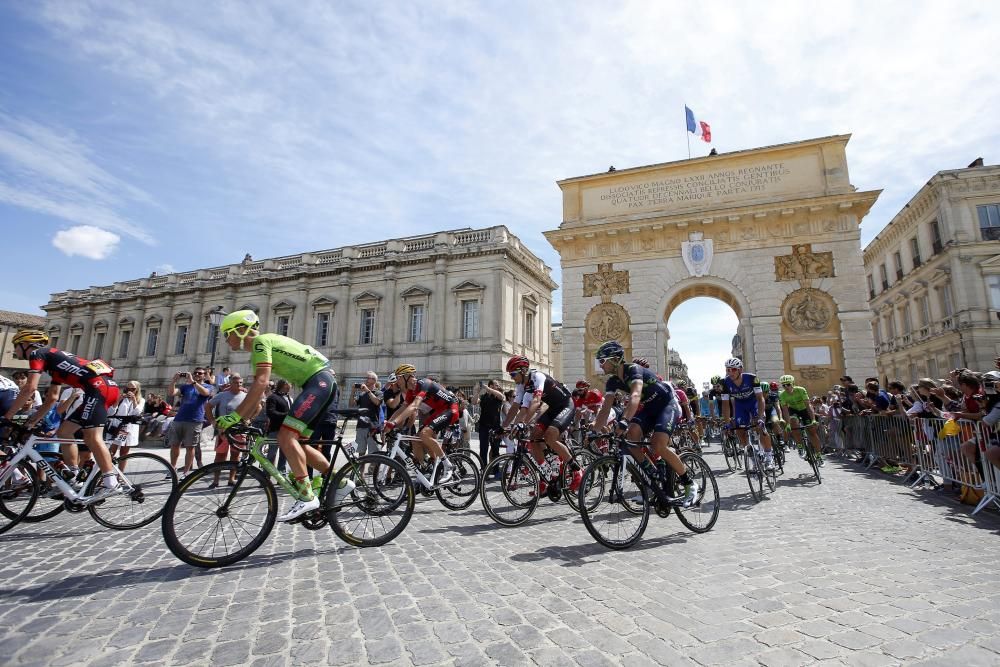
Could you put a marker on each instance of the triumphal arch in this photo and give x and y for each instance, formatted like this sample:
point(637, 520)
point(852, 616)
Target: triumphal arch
point(774, 232)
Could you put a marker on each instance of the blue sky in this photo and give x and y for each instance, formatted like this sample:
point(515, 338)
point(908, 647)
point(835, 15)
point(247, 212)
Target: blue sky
point(156, 136)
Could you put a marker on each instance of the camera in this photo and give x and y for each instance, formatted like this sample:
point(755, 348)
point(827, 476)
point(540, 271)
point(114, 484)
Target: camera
point(357, 385)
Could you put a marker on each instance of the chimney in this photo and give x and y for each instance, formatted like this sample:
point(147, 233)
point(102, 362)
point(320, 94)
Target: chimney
point(978, 162)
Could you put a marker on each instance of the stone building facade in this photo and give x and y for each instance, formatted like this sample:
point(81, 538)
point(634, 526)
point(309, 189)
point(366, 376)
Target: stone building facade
point(10, 323)
point(676, 368)
point(933, 278)
point(773, 232)
point(455, 304)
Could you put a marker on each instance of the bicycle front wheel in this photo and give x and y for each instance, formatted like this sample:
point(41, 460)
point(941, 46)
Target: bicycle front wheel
point(461, 490)
point(18, 493)
point(46, 506)
point(509, 489)
point(621, 518)
point(378, 505)
point(730, 452)
point(755, 476)
point(209, 524)
point(146, 482)
point(814, 462)
point(581, 461)
point(702, 514)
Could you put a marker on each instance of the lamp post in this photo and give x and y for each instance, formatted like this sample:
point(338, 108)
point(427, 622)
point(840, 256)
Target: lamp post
point(214, 319)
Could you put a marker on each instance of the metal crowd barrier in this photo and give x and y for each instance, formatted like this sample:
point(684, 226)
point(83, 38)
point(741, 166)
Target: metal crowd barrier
point(920, 446)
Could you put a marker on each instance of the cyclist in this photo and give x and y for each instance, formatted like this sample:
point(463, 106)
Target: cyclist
point(743, 402)
point(100, 392)
point(797, 411)
point(535, 389)
point(439, 408)
point(772, 410)
point(586, 401)
point(650, 411)
point(301, 366)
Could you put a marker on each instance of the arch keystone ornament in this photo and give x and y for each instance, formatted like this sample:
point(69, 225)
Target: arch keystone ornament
point(773, 256)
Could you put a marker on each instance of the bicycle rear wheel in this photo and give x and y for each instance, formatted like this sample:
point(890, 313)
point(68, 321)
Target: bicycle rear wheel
point(371, 514)
point(755, 476)
point(45, 506)
point(210, 526)
point(509, 489)
point(731, 453)
point(620, 519)
point(18, 494)
point(146, 481)
point(582, 460)
point(701, 516)
point(461, 491)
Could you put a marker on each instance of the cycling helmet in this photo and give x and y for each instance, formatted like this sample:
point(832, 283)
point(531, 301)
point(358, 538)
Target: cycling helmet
point(735, 362)
point(681, 384)
point(774, 386)
point(31, 337)
point(642, 361)
point(582, 384)
point(232, 322)
point(690, 392)
point(787, 379)
point(392, 378)
point(518, 362)
point(404, 369)
point(716, 379)
point(610, 350)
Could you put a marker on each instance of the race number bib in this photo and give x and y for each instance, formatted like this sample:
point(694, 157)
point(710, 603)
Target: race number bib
point(100, 367)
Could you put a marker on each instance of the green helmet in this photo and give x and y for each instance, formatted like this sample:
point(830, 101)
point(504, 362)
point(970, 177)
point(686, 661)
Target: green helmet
point(240, 318)
point(786, 379)
point(716, 379)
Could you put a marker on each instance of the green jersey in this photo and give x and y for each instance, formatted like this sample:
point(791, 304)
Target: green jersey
point(287, 358)
point(796, 399)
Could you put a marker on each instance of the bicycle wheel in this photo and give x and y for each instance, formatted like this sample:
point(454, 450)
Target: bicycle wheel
point(779, 456)
point(754, 476)
point(45, 506)
point(370, 516)
point(18, 494)
point(731, 453)
point(146, 482)
point(509, 489)
point(611, 522)
point(582, 461)
point(701, 516)
point(461, 491)
point(213, 527)
point(815, 466)
point(771, 476)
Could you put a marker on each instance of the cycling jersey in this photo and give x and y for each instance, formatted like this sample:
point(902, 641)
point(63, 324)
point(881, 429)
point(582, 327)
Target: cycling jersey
point(796, 399)
point(592, 400)
point(658, 407)
point(66, 368)
point(286, 357)
point(553, 393)
point(438, 405)
point(652, 386)
point(744, 396)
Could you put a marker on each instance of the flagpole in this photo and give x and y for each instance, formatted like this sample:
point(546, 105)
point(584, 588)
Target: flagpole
point(687, 134)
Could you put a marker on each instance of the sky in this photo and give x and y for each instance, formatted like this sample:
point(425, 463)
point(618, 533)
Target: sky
point(139, 137)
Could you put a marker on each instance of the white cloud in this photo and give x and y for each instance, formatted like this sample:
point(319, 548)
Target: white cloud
point(86, 241)
point(165, 268)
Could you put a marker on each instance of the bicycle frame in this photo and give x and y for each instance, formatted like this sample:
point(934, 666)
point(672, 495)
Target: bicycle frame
point(397, 453)
point(27, 451)
point(625, 457)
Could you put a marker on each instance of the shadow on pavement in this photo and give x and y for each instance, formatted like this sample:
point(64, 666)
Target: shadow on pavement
point(577, 555)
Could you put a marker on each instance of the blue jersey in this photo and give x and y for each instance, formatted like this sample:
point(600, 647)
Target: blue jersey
point(652, 386)
point(743, 394)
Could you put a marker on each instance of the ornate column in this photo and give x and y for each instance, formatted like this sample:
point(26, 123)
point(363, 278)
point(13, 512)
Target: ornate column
point(342, 314)
point(440, 299)
point(165, 334)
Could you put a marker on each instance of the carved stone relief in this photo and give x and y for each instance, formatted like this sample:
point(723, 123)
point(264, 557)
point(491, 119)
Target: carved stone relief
point(605, 283)
point(607, 321)
point(803, 263)
point(807, 311)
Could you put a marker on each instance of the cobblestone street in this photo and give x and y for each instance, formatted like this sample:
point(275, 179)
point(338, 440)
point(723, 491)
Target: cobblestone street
point(859, 571)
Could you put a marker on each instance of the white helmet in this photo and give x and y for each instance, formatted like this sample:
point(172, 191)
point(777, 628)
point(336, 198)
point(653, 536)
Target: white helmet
point(735, 362)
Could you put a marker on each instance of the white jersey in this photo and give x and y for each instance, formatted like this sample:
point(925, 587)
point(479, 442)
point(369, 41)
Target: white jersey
point(6, 384)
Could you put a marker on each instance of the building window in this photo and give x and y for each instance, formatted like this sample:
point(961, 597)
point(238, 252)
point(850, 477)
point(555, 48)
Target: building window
point(993, 284)
point(54, 341)
point(182, 336)
point(877, 331)
point(913, 373)
point(322, 329)
point(99, 345)
point(947, 308)
point(899, 265)
point(74, 343)
point(925, 311)
point(123, 344)
point(213, 331)
point(470, 319)
point(884, 276)
point(932, 367)
point(956, 360)
point(890, 326)
point(367, 334)
point(935, 237)
point(529, 329)
point(907, 321)
point(282, 324)
point(871, 287)
point(989, 221)
point(151, 335)
point(915, 251)
point(416, 332)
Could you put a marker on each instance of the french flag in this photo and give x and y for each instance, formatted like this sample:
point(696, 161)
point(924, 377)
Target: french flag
point(699, 128)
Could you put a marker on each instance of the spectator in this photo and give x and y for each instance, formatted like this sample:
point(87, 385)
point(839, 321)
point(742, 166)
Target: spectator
point(391, 395)
point(185, 429)
point(508, 405)
point(326, 431)
point(368, 397)
point(465, 422)
point(20, 379)
point(222, 404)
point(222, 380)
point(130, 404)
point(491, 402)
point(277, 406)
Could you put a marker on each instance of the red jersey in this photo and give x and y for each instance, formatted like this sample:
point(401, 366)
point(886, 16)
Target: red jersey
point(592, 400)
point(433, 397)
point(66, 368)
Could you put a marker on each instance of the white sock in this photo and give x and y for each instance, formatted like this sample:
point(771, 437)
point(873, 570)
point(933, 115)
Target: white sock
point(109, 480)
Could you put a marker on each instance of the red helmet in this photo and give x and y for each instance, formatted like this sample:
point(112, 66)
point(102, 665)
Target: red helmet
point(517, 363)
point(582, 384)
point(774, 386)
point(642, 361)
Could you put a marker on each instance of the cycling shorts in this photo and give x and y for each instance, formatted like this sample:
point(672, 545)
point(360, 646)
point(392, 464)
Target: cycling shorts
point(560, 416)
point(311, 405)
point(442, 419)
point(746, 415)
point(99, 395)
point(657, 414)
point(802, 416)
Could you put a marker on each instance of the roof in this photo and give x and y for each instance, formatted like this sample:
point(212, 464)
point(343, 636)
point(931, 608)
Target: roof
point(21, 319)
